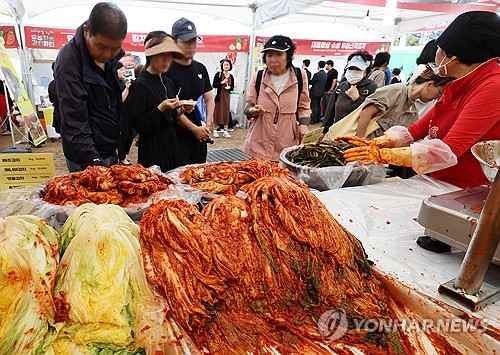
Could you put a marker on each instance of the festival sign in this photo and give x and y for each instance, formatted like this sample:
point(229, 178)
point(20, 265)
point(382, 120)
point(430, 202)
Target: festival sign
point(332, 48)
point(56, 38)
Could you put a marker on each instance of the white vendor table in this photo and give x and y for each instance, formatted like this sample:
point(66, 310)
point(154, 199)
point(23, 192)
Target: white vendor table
point(383, 218)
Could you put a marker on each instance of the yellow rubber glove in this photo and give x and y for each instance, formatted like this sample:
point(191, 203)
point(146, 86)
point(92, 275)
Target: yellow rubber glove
point(381, 142)
point(356, 141)
point(394, 156)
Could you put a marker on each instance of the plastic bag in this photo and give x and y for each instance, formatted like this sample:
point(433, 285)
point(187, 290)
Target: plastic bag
point(234, 99)
point(400, 135)
point(431, 155)
point(334, 177)
point(174, 174)
point(29, 200)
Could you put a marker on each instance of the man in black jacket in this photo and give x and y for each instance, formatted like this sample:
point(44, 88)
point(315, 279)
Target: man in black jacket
point(317, 83)
point(305, 65)
point(88, 89)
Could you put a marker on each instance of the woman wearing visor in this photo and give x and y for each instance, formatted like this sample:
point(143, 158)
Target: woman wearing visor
point(153, 106)
point(352, 92)
point(467, 113)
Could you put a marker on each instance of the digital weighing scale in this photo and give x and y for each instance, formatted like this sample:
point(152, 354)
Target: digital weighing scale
point(469, 220)
point(452, 218)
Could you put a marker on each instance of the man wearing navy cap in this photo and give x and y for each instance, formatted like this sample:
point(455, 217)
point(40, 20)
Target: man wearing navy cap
point(191, 78)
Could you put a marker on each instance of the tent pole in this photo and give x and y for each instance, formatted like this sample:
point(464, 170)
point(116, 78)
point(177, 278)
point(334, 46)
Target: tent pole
point(17, 10)
point(25, 63)
point(254, 7)
point(9, 115)
point(250, 58)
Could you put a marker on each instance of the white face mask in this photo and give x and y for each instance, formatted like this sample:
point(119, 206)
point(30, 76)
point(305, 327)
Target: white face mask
point(354, 76)
point(435, 68)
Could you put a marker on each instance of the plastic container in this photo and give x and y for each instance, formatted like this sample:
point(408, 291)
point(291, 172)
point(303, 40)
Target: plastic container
point(334, 177)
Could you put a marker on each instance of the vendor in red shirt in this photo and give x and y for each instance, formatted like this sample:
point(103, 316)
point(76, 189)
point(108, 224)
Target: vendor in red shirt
point(467, 113)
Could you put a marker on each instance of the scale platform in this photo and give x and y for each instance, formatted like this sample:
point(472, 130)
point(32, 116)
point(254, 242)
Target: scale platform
point(452, 217)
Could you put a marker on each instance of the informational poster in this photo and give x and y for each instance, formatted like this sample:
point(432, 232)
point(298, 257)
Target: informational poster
point(257, 62)
point(19, 94)
point(20, 170)
point(56, 38)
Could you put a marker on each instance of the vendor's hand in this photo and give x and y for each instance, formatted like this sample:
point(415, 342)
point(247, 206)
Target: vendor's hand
point(168, 104)
point(257, 110)
point(395, 156)
point(353, 92)
point(364, 154)
point(384, 142)
point(356, 141)
point(201, 133)
point(302, 131)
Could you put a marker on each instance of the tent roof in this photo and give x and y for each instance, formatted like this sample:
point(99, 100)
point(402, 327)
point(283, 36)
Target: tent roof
point(236, 15)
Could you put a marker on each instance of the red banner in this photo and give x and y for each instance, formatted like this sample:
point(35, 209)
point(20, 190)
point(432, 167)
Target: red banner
point(332, 48)
point(9, 36)
point(47, 38)
point(338, 48)
point(437, 27)
point(56, 38)
point(223, 44)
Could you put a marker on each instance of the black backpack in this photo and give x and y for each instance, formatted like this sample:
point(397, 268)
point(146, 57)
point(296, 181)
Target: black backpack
point(298, 74)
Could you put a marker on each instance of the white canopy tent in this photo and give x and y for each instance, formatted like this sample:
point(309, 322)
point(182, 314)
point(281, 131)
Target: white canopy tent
point(316, 19)
point(409, 14)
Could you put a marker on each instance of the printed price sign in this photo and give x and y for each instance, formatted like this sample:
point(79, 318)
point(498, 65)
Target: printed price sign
point(312, 136)
point(21, 170)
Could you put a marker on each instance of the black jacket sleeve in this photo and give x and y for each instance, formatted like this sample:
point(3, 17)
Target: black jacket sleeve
point(363, 94)
point(217, 81)
point(314, 79)
point(72, 98)
point(232, 82)
point(145, 118)
point(330, 112)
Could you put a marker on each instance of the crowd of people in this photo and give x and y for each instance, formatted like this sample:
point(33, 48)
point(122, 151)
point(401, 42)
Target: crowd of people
point(450, 102)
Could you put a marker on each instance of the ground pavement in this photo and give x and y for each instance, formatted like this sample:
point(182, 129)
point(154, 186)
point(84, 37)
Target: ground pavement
point(236, 141)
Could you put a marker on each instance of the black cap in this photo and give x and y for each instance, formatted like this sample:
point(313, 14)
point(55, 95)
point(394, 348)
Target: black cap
point(473, 37)
point(277, 43)
point(184, 29)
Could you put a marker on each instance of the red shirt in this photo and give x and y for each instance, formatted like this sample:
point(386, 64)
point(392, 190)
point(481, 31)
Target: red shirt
point(467, 113)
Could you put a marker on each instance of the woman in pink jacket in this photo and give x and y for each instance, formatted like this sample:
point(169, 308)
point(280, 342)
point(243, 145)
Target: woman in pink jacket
point(278, 103)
